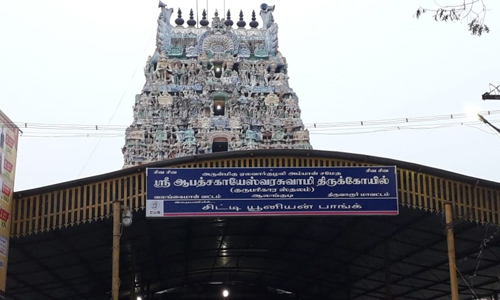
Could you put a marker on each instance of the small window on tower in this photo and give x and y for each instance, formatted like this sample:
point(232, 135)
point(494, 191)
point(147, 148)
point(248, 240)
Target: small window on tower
point(219, 107)
point(219, 145)
point(218, 70)
point(267, 135)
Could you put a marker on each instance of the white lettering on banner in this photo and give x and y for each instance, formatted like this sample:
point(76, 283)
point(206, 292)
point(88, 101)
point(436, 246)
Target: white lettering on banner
point(272, 182)
point(196, 196)
point(253, 190)
point(279, 206)
point(202, 182)
point(352, 181)
point(282, 207)
point(162, 183)
point(273, 196)
point(340, 206)
point(220, 207)
point(231, 174)
point(353, 195)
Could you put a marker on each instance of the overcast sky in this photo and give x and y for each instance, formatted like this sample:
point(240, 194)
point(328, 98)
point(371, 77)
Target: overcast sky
point(81, 62)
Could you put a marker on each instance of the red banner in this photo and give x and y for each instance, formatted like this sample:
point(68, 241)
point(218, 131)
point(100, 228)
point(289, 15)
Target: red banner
point(8, 166)
point(10, 141)
point(4, 215)
point(6, 190)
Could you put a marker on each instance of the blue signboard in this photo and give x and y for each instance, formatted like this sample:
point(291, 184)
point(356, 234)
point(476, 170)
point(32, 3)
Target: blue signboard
point(174, 192)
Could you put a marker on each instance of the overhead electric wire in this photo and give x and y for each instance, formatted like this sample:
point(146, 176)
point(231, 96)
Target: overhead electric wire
point(398, 120)
point(117, 106)
point(416, 126)
point(394, 121)
point(70, 126)
point(491, 132)
point(334, 128)
point(71, 136)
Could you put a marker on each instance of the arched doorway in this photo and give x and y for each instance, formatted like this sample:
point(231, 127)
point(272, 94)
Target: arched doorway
point(220, 144)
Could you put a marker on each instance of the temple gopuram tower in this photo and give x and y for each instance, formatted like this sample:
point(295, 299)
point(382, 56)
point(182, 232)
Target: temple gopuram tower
point(214, 88)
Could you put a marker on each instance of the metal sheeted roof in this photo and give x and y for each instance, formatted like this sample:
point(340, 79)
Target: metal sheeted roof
point(288, 257)
point(368, 159)
point(336, 257)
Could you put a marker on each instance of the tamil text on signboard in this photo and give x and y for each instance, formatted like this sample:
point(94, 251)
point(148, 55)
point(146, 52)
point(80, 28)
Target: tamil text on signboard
point(271, 191)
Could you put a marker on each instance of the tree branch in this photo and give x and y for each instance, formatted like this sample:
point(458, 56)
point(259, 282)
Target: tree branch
point(473, 11)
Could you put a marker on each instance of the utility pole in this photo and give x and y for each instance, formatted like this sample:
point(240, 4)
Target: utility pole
point(115, 281)
point(450, 239)
point(482, 119)
point(493, 94)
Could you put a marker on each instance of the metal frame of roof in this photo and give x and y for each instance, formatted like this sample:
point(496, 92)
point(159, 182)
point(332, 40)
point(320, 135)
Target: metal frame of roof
point(62, 240)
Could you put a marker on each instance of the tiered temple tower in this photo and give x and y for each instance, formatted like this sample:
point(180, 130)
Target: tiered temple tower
point(214, 88)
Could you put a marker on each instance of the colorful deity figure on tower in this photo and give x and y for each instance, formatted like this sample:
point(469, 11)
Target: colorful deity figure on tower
point(214, 88)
